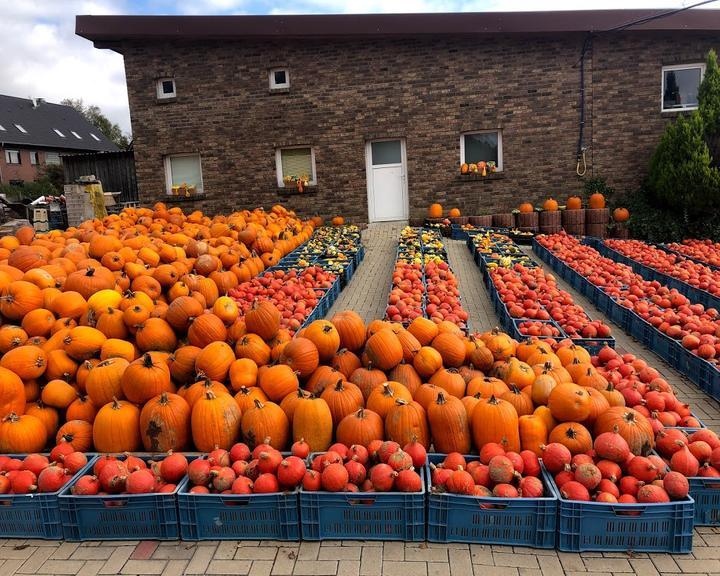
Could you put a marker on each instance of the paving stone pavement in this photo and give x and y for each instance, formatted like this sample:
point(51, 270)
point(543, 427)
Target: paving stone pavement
point(367, 293)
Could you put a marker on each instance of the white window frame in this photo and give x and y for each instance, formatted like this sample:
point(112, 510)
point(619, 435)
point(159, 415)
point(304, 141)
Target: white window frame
point(20, 127)
point(51, 157)
point(8, 159)
point(498, 131)
point(2, 128)
point(59, 133)
point(161, 95)
point(271, 75)
point(34, 155)
point(278, 164)
point(700, 65)
point(94, 136)
point(76, 134)
point(168, 171)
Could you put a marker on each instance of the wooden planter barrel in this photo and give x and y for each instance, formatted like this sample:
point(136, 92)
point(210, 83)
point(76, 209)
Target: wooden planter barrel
point(527, 221)
point(573, 222)
point(550, 222)
point(596, 222)
point(461, 220)
point(481, 221)
point(503, 220)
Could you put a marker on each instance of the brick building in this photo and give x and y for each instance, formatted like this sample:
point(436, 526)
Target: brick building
point(378, 112)
point(34, 133)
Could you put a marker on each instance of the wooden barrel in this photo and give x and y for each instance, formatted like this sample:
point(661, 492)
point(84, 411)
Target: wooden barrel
point(550, 222)
point(527, 221)
point(596, 230)
point(573, 222)
point(503, 220)
point(481, 221)
point(621, 231)
point(461, 220)
point(597, 216)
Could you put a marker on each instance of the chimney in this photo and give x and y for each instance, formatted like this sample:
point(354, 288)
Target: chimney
point(37, 101)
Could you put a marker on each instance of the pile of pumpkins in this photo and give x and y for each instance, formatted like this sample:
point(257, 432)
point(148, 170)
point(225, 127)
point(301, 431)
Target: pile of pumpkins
point(79, 307)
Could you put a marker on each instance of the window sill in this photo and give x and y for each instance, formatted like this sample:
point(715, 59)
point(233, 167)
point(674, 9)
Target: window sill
point(166, 100)
point(279, 90)
point(676, 110)
point(476, 177)
point(309, 191)
point(170, 199)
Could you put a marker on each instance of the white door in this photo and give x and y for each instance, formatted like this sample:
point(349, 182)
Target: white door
point(386, 180)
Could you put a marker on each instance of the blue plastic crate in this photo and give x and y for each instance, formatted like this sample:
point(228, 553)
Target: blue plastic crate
point(703, 373)
point(594, 345)
point(363, 515)
point(508, 521)
point(120, 516)
point(593, 526)
point(33, 515)
point(238, 516)
point(706, 493)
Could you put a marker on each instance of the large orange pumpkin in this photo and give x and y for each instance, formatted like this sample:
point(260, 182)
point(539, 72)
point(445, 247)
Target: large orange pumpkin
point(117, 428)
point(496, 420)
point(597, 201)
point(435, 211)
point(145, 378)
point(215, 422)
point(165, 423)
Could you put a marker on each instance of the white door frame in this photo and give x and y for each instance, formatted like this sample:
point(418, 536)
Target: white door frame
point(369, 177)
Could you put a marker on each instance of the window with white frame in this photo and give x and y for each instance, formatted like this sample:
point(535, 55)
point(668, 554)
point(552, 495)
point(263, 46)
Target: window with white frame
point(279, 78)
point(52, 158)
point(482, 146)
point(165, 88)
point(94, 136)
point(76, 134)
point(183, 174)
point(19, 127)
point(296, 163)
point(680, 86)
point(12, 156)
point(34, 157)
point(59, 133)
point(2, 128)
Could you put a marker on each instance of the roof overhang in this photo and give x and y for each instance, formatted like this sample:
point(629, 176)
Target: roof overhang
point(111, 31)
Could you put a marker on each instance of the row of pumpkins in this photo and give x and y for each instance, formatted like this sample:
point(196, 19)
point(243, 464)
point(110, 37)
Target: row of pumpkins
point(596, 201)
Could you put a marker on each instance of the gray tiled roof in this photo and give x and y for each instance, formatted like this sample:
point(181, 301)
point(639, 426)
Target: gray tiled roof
point(40, 121)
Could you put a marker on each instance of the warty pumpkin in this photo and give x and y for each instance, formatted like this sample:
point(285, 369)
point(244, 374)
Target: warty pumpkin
point(117, 428)
point(449, 425)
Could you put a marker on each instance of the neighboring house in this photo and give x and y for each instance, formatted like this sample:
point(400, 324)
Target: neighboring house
point(34, 133)
point(380, 111)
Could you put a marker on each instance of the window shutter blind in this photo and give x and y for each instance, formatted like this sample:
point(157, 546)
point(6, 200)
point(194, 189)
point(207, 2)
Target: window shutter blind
point(297, 162)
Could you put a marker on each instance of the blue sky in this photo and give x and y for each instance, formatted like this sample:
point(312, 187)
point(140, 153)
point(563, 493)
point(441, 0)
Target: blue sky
point(42, 57)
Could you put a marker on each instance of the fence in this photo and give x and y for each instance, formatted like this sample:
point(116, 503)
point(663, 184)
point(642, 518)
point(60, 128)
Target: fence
point(116, 171)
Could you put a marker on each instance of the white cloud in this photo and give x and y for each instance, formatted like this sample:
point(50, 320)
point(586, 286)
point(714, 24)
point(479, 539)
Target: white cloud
point(42, 56)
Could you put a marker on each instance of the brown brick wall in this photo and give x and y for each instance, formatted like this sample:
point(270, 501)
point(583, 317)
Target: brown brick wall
point(427, 91)
point(24, 171)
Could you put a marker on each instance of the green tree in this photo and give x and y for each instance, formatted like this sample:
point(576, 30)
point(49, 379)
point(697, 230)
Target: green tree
point(709, 106)
point(94, 115)
point(681, 175)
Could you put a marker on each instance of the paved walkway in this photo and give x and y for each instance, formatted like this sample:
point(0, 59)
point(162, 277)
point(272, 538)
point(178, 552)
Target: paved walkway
point(367, 293)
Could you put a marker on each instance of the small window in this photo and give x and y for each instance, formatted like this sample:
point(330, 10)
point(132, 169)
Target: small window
point(52, 158)
point(680, 86)
point(183, 174)
point(76, 134)
point(2, 128)
point(12, 156)
point(295, 164)
point(34, 158)
point(485, 146)
point(19, 127)
point(166, 88)
point(58, 133)
point(279, 78)
point(94, 136)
